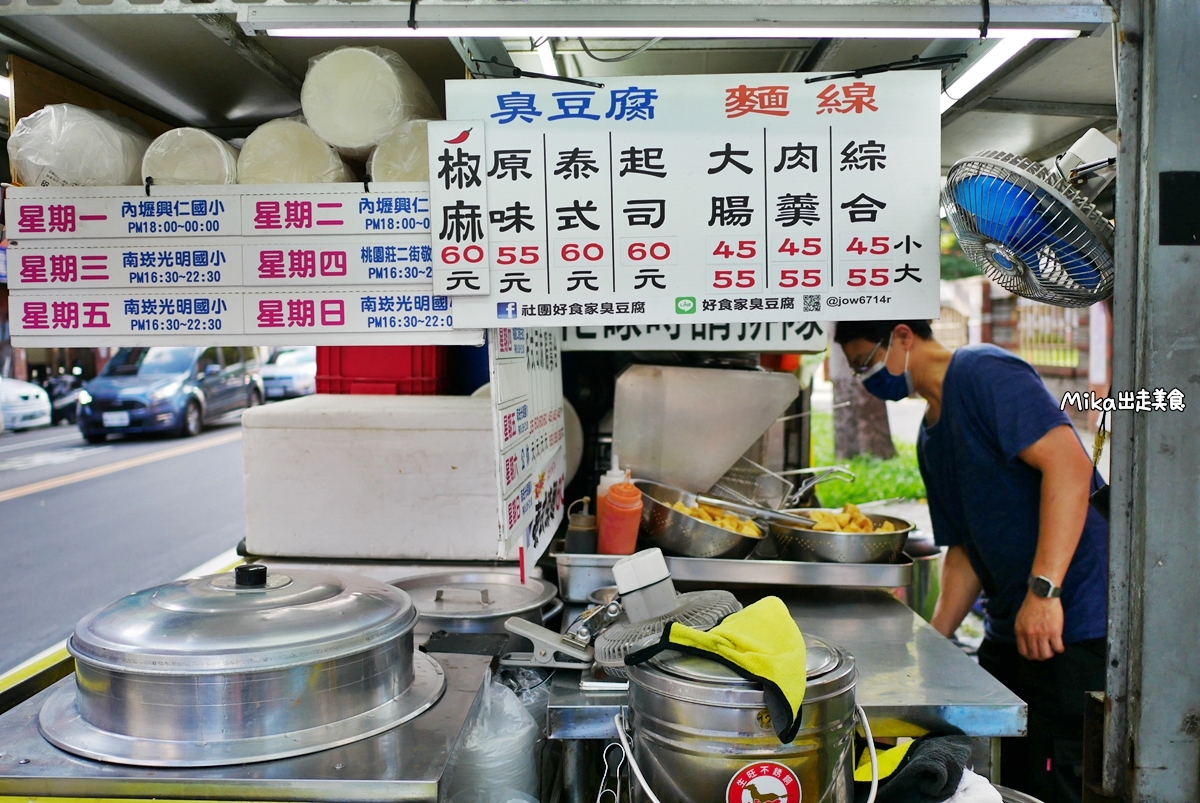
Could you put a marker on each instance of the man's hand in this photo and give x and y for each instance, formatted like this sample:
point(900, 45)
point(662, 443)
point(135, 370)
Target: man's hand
point(1039, 628)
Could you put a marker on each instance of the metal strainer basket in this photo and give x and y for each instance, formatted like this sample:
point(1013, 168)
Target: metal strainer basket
point(749, 483)
point(702, 610)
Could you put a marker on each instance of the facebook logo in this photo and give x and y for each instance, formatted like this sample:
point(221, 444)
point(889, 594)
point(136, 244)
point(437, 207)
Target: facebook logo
point(506, 309)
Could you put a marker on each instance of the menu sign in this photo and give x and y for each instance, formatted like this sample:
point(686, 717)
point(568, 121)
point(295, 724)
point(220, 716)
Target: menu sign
point(526, 374)
point(329, 265)
point(681, 199)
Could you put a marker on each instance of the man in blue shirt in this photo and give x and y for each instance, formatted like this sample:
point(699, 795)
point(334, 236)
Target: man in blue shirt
point(1008, 483)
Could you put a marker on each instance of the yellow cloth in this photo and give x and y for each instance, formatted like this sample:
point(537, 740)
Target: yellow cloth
point(888, 760)
point(761, 642)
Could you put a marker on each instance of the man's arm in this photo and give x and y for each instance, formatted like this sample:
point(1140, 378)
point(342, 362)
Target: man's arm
point(960, 589)
point(1066, 484)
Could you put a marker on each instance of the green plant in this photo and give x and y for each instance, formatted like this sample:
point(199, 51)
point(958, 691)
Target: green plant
point(877, 479)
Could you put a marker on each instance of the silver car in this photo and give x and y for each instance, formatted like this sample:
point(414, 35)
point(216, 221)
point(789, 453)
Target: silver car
point(24, 405)
point(291, 372)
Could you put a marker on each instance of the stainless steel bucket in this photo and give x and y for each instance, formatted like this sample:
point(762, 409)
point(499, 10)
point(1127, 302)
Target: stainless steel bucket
point(702, 732)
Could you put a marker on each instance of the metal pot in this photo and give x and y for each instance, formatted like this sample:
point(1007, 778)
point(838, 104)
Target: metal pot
point(679, 534)
point(241, 667)
point(698, 726)
point(803, 543)
point(478, 602)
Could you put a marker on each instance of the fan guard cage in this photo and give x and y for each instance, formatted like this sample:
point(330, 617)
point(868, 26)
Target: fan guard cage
point(1047, 241)
point(702, 610)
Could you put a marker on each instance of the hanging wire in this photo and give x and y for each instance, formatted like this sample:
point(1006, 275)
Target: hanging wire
point(624, 57)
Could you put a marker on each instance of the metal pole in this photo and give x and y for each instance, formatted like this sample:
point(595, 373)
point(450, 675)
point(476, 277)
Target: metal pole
point(1152, 749)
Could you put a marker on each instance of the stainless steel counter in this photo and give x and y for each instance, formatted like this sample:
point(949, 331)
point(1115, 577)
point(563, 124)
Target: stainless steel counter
point(910, 678)
point(405, 763)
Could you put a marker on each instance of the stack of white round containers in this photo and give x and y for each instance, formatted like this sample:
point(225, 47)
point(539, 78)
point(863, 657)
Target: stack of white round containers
point(63, 144)
point(287, 151)
point(358, 102)
point(190, 156)
point(353, 97)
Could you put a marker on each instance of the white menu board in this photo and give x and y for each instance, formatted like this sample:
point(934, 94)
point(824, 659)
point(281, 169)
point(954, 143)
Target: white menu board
point(336, 264)
point(687, 199)
point(809, 337)
point(526, 376)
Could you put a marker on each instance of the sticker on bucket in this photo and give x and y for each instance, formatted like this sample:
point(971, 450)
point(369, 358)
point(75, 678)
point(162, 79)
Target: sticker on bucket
point(764, 782)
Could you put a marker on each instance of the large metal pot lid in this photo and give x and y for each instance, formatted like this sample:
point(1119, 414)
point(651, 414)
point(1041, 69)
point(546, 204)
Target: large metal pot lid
point(475, 595)
point(215, 624)
point(823, 658)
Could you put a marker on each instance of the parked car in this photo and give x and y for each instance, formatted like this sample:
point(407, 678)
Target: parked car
point(24, 405)
point(168, 389)
point(291, 372)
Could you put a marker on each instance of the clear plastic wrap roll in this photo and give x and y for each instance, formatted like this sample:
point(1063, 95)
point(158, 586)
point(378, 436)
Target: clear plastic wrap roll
point(287, 151)
point(190, 156)
point(354, 96)
point(68, 145)
point(402, 155)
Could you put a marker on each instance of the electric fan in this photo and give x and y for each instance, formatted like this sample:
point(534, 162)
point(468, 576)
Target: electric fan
point(1034, 232)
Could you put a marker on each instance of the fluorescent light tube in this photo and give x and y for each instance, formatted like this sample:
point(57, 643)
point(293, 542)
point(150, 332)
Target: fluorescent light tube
point(996, 57)
point(545, 52)
point(697, 32)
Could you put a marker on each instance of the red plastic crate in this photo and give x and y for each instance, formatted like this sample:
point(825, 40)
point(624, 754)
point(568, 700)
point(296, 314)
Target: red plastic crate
point(383, 370)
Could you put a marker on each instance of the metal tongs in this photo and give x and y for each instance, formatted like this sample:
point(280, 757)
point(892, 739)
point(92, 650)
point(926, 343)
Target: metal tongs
point(756, 511)
point(575, 645)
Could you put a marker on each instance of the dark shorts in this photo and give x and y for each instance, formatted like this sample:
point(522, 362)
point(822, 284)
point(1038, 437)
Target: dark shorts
point(1048, 763)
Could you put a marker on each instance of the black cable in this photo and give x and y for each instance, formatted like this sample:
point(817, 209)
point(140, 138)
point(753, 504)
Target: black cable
point(623, 57)
point(987, 18)
point(412, 14)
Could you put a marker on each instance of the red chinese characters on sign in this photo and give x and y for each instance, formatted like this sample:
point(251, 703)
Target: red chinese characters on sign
point(36, 315)
point(62, 218)
point(64, 268)
point(32, 219)
point(33, 269)
point(298, 215)
point(302, 264)
point(270, 313)
point(854, 98)
point(270, 265)
point(267, 215)
point(764, 780)
point(65, 315)
point(742, 100)
point(300, 312)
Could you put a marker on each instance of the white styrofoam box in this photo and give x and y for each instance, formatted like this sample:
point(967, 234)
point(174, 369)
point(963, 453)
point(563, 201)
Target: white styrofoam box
point(372, 477)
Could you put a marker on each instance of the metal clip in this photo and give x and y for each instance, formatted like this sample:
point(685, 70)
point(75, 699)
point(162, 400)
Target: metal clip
point(547, 645)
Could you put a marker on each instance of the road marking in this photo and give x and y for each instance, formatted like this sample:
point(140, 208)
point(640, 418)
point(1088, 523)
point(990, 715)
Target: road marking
point(50, 457)
point(120, 465)
point(12, 447)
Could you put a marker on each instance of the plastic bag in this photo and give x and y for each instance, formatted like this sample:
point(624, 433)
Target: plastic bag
point(497, 749)
point(532, 688)
point(286, 151)
point(402, 155)
point(68, 145)
point(190, 156)
point(354, 96)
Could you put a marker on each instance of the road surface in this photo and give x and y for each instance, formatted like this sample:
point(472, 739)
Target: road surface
point(82, 525)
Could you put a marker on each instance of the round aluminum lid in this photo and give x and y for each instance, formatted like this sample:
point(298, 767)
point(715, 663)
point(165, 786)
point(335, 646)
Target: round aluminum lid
point(696, 679)
point(475, 595)
point(210, 624)
point(822, 658)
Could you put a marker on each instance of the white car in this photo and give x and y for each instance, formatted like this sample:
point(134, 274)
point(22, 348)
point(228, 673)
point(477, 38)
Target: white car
point(23, 404)
point(290, 373)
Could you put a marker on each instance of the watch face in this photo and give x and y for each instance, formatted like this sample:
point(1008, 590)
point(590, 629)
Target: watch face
point(1041, 586)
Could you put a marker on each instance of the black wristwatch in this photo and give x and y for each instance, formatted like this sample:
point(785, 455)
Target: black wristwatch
point(1044, 587)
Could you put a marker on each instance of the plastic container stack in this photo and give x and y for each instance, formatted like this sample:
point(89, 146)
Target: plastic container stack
point(65, 145)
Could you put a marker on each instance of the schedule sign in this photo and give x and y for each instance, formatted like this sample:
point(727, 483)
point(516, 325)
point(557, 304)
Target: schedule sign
point(687, 199)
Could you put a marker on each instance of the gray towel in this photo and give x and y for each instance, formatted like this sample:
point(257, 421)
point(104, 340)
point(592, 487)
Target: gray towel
point(929, 773)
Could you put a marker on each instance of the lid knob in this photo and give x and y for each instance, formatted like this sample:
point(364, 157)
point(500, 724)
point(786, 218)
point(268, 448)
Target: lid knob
point(250, 575)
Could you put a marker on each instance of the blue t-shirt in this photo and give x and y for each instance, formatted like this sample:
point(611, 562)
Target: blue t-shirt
point(984, 497)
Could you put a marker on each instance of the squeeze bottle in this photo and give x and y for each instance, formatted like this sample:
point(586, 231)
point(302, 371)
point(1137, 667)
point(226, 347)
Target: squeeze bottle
point(622, 507)
point(607, 480)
